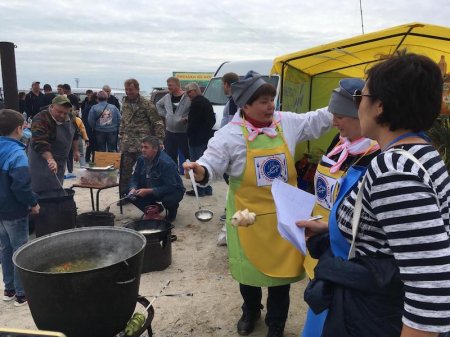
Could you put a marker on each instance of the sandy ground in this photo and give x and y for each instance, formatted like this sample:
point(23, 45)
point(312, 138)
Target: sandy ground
point(198, 266)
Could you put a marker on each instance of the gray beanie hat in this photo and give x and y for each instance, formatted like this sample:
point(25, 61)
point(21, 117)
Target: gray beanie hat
point(341, 101)
point(242, 90)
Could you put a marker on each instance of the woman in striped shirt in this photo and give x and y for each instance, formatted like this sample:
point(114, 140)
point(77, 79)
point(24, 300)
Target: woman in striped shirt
point(404, 218)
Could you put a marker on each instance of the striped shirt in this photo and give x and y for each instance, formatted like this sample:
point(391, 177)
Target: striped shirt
point(401, 218)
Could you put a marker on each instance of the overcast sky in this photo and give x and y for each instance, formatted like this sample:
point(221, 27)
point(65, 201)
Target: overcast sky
point(109, 41)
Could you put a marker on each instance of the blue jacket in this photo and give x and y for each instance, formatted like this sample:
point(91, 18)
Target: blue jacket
point(15, 183)
point(161, 175)
point(104, 117)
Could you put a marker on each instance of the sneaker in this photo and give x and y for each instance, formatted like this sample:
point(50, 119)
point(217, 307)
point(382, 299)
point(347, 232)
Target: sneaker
point(20, 300)
point(201, 193)
point(9, 295)
point(208, 190)
point(69, 176)
point(246, 323)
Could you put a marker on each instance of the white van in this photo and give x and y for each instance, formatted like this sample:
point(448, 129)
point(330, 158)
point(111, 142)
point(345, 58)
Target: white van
point(214, 91)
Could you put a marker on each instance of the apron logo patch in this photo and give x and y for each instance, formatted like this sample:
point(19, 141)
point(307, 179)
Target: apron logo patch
point(269, 168)
point(325, 187)
point(321, 188)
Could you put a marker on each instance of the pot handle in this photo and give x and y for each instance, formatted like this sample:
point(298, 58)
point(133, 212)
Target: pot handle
point(173, 238)
point(125, 274)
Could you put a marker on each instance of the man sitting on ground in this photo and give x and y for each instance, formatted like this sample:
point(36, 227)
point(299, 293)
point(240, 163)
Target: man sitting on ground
point(156, 179)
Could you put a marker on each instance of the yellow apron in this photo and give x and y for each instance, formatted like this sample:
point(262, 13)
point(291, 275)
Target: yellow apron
point(327, 187)
point(258, 255)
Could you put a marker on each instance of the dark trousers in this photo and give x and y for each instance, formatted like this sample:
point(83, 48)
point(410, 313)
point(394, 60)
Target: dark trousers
point(195, 152)
point(126, 170)
point(277, 302)
point(106, 141)
point(175, 141)
point(170, 201)
point(70, 161)
point(89, 152)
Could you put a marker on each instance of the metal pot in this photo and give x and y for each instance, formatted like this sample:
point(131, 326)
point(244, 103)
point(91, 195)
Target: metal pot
point(95, 302)
point(56, 214)
point(158, 251)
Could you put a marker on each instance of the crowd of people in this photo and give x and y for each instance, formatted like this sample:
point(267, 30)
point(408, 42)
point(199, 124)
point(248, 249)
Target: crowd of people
point(378, 261)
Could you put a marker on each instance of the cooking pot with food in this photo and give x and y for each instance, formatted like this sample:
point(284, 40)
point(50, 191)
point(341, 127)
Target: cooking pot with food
point(84, 281)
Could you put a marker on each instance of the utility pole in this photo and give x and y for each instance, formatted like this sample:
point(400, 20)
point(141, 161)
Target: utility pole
point(362, 21)
point(9, 76)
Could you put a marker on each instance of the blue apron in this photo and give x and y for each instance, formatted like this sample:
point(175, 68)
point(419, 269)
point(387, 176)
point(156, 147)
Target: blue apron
point(339, 245)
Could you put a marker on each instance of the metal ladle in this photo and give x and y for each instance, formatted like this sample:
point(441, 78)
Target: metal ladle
point(62, 188)
point(203, 215)
point(109, 206)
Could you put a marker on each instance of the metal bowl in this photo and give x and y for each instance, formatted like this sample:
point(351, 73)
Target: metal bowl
point(204, 215)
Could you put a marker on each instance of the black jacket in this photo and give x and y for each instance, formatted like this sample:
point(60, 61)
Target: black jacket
point(46, 100)
point(114, 101)
point(201, 120)
point(364, 296)
point(32, 103)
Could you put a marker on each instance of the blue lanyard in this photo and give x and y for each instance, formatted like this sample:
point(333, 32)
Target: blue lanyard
point(420, 134)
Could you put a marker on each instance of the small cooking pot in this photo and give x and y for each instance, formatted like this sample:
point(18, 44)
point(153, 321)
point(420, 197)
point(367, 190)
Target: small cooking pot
point(158, 251)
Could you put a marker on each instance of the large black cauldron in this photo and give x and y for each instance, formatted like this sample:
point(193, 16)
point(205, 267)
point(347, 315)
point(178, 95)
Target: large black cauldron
point(96, 302)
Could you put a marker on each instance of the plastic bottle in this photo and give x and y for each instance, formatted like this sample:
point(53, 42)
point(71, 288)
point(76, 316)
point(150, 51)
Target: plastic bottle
point(443, 65)
point(24, 116)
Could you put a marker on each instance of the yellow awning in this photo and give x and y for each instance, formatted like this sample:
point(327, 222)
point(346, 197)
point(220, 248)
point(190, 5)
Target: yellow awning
point(351, 57)
point(309, 76)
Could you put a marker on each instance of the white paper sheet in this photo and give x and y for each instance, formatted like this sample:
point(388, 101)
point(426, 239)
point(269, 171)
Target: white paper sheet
point(292, 204)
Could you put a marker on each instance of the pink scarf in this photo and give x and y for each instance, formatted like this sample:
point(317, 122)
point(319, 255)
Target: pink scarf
point(253, 131)
point(355, 148)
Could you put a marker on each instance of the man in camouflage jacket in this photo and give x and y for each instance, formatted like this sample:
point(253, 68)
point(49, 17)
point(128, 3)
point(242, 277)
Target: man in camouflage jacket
point(139, 119)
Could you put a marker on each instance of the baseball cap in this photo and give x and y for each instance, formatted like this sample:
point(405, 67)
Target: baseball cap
point(61, 100)
point(35, 82)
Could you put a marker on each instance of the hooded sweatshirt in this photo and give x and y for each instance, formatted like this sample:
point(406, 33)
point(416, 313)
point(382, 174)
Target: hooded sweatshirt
point(16, 196)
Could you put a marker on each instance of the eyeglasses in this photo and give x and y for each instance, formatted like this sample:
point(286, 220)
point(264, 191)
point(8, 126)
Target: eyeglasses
point(357, 97)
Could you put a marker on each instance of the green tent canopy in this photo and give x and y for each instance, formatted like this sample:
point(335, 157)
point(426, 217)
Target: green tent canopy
point(308, 76)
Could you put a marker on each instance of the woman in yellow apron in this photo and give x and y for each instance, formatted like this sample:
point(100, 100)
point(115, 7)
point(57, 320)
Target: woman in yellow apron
point(256, 147)
point(348, 149)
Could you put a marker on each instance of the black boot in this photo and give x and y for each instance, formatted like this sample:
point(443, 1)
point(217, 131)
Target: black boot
point(275, 331)
point(246, 323)
point(171, 214)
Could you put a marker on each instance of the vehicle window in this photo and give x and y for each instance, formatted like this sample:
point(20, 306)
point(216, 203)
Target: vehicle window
point(214, 92)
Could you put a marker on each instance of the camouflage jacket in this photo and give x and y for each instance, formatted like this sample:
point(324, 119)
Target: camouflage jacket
point(43, 131)
point(139, 119)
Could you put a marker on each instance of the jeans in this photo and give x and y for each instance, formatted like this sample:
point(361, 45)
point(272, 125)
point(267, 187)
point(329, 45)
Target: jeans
point(277, 302)
point(81, 150)
point(106, 140)
point(13, 234)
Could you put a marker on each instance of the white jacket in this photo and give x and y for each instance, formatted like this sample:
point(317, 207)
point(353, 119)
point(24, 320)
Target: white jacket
point(226, 152)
